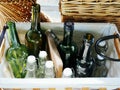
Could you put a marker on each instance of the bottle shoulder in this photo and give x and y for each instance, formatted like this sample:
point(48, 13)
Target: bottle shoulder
point(33, 35)
point(73, 44)
point(73, 47)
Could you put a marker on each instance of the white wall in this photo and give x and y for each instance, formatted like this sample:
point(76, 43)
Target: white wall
point(51, 9)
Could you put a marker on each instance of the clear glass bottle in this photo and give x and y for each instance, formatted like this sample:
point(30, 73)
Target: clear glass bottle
point(100, 70)
point(67, 47)
point(103, 47)
point(35, 37)
point(67, 73)
point(17, 53)
point(31, 67)
point(49, 69)
point(84, 61)
point(41, 64)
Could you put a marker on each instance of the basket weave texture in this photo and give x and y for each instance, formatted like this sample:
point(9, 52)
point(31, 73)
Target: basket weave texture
point(91, 10)
point(18, 10)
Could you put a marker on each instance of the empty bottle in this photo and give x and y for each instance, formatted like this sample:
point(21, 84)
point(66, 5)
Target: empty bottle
point(17, 53)
point(84, 61)
point(31, 67)
point(100, 70)
point(41, 64)
point(35, 37)
point(54, 36)
point(67, 47)
point(49, 69)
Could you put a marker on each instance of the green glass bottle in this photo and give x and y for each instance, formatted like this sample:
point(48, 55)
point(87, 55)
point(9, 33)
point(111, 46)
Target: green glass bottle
point(34, 36)
point(68, 48)
point(17, 53)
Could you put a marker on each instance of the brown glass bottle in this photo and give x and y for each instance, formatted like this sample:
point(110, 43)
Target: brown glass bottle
point(34, 37)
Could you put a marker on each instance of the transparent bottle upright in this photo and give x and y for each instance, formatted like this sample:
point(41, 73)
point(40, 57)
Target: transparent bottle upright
point(49, 69)
point(31, 67)
point(41, 64)
point(100, 70)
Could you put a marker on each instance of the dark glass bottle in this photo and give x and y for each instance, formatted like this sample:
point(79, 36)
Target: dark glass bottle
point(103, 47)
point(68, 48)
point(17, 53)
point(54, 36)
point(34, 37)
point(84, 61)
point(100, 70)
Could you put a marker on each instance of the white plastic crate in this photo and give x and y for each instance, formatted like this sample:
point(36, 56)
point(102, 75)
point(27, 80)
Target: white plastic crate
point(98, 30)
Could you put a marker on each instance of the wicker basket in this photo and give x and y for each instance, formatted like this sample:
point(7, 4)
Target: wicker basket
point(17, 10)
point(91, 11)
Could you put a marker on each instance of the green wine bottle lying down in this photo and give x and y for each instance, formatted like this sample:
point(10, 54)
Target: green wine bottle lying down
point(17, 53)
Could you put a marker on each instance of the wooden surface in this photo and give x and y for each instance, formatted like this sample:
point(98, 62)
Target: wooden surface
point(54, 55)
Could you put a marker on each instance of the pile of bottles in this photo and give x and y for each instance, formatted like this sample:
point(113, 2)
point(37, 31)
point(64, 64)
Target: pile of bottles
point(84, 62)
point(24, 59)
point(31, 60)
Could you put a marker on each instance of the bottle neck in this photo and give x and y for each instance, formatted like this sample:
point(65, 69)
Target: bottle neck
point(100, 60)
point(12, 34)
point(88, 40)
point(85, 52)
point(68, 34)
point(35, 18)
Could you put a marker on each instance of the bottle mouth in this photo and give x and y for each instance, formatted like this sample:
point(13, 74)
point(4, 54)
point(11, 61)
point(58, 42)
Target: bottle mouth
point(42, 54)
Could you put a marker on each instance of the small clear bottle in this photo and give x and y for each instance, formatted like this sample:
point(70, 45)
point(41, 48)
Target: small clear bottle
point(49, 69)
point(31, 67)
point(41, 64)
point(100, 70)
point(67, 73)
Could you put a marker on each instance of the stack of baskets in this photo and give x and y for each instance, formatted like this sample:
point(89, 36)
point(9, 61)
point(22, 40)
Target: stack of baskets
point(91, 11)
